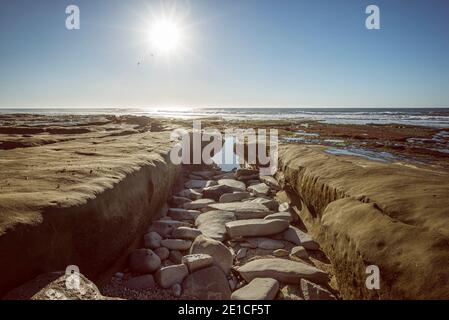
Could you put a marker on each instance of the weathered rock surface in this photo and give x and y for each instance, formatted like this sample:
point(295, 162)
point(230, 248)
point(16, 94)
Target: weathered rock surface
point(191, 194)
point(298, 237)
point(218, 251)
point(298, 252)
point(195, 262)
point(365, 212)
point(246, 172)
point(176, 244)
point(234, 197)
point(260, 189)
point(144, 261)
point(271, 204)
point(152, 240)
point(198, 204)
point(168, 276)
point(233, 184)
point(243, 210)
point(269, 244)
point(183, 214)
point(186, 233)
point(207, 284)
point(166, 227)
point(255, 227)
point(215, 192)
point(283, 270)
point(280, 215)
point(199, 184)
point(212, 223)
point(162, 252)
point(257, 289)
point(271, 182)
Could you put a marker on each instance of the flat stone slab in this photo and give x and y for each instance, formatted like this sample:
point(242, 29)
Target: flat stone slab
point(215, 192)
point(207, 284)
point(176, 244)
point(218, 251)
point(234, 184)
point(168, 276)
point(260, 189)
point(298, 237)
point(212, 223)
point(255, 227)
point(269, 244)
point(198, 204)
point(195, 262)
point(191, 194)
point(199, 184)
point(280, 215)
point(271, 182)
point(283, 270)
point(271, 204)
point(243, 210)
point(257, 289)
point(186, 233)
point(183, 214)
point(234, 197)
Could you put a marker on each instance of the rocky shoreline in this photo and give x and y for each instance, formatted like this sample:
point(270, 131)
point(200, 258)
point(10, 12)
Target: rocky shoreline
point(101, 193)
point(226, 236)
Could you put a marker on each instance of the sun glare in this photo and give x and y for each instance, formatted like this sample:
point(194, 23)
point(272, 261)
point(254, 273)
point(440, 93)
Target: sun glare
point(165, 35)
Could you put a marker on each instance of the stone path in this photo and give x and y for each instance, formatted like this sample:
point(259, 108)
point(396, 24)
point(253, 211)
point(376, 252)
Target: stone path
point(225, 236)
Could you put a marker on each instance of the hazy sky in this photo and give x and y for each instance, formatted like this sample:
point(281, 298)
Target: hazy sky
point(234, 53)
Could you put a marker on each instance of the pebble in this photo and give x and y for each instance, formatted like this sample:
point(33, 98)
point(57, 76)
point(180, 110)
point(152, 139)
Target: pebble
point(152, 240)
point(162, 253)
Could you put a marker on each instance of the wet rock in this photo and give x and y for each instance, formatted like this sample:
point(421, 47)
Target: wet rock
point(298, 237)
point(212, 223)
point(162, 253)
point(191, 194)
point(234, 197)
point(218, 251)
point(152, 240)
point(207, 284)
point(215, 192)
point(255, 227)
point(271, 182)
point(168, 276)
point(298, 252)
point(144, 282)
point(233, 184)
point(280, 215)
point(260, 189)
point(243, 210)
point(183, 214)
point(176, 244)
point(257, 289)
point(144, 261)
point(197, 261)
point(175, 256)
point(198, 204)
point(186, 233)
point(283, 270)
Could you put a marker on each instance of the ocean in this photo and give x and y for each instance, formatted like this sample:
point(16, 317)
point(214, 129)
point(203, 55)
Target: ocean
point(430, 117)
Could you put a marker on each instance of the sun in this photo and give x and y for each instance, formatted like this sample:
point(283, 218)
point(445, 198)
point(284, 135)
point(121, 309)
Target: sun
point(165, 36)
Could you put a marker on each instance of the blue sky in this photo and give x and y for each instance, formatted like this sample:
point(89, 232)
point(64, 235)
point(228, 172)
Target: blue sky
point(236, 53)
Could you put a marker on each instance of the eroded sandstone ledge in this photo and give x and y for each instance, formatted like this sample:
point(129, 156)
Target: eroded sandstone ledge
point(364, 212)
point(82, 202)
